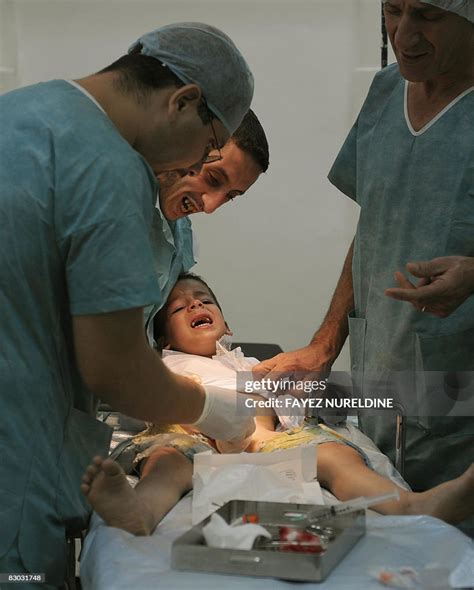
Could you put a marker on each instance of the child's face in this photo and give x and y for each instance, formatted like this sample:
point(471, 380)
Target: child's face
point(193, 320)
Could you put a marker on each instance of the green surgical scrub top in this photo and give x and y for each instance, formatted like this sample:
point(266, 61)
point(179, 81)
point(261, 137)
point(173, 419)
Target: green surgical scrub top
point(173, 253)
point(76, 205)
point(416, 194)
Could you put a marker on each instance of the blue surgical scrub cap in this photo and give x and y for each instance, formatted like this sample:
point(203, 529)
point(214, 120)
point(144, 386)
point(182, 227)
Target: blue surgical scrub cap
point(464, 8)
point(201, 54)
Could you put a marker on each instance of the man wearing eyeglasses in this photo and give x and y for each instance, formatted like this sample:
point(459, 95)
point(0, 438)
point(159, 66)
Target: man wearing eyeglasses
point(77, 193)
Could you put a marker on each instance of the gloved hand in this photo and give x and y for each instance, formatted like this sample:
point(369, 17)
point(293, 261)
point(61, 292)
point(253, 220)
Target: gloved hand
point(222, 418)
point(234, 446)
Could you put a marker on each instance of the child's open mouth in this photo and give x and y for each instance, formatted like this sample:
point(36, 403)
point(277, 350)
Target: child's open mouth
point(202, 321)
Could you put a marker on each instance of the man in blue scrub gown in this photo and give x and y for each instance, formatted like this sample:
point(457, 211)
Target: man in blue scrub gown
point(77, 194)
point(408, 163)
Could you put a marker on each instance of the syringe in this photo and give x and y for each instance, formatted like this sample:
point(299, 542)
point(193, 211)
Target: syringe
point(345, 507)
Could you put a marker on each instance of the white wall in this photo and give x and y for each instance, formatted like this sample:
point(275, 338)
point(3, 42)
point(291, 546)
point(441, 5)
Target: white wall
point(274, 256)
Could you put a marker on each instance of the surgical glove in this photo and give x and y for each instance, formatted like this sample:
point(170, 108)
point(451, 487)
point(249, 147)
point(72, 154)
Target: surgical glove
point(221, 419)
point(234, 446)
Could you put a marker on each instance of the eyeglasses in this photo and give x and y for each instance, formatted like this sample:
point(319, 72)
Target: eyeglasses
point(208, 158)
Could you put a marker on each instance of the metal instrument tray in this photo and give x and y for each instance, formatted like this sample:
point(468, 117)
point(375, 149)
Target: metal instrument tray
point(190, 552)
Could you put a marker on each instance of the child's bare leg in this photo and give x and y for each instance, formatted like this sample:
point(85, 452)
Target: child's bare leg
point(166, 476)
point(343, 471)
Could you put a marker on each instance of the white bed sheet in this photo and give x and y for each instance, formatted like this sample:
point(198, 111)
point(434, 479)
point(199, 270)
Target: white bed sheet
point(114, 559)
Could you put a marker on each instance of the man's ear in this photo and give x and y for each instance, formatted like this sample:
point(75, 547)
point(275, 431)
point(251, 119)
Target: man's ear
point(183, 98)
point(228, 331)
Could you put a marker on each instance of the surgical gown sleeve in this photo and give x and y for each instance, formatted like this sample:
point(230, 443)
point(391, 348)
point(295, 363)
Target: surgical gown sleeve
point(103, 230)
point(343, 174)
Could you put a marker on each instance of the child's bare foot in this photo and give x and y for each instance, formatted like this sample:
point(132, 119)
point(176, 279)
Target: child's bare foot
point(107, 490)
point(452, 501)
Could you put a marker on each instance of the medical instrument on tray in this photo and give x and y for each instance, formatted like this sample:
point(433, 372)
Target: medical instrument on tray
point(344, 508)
